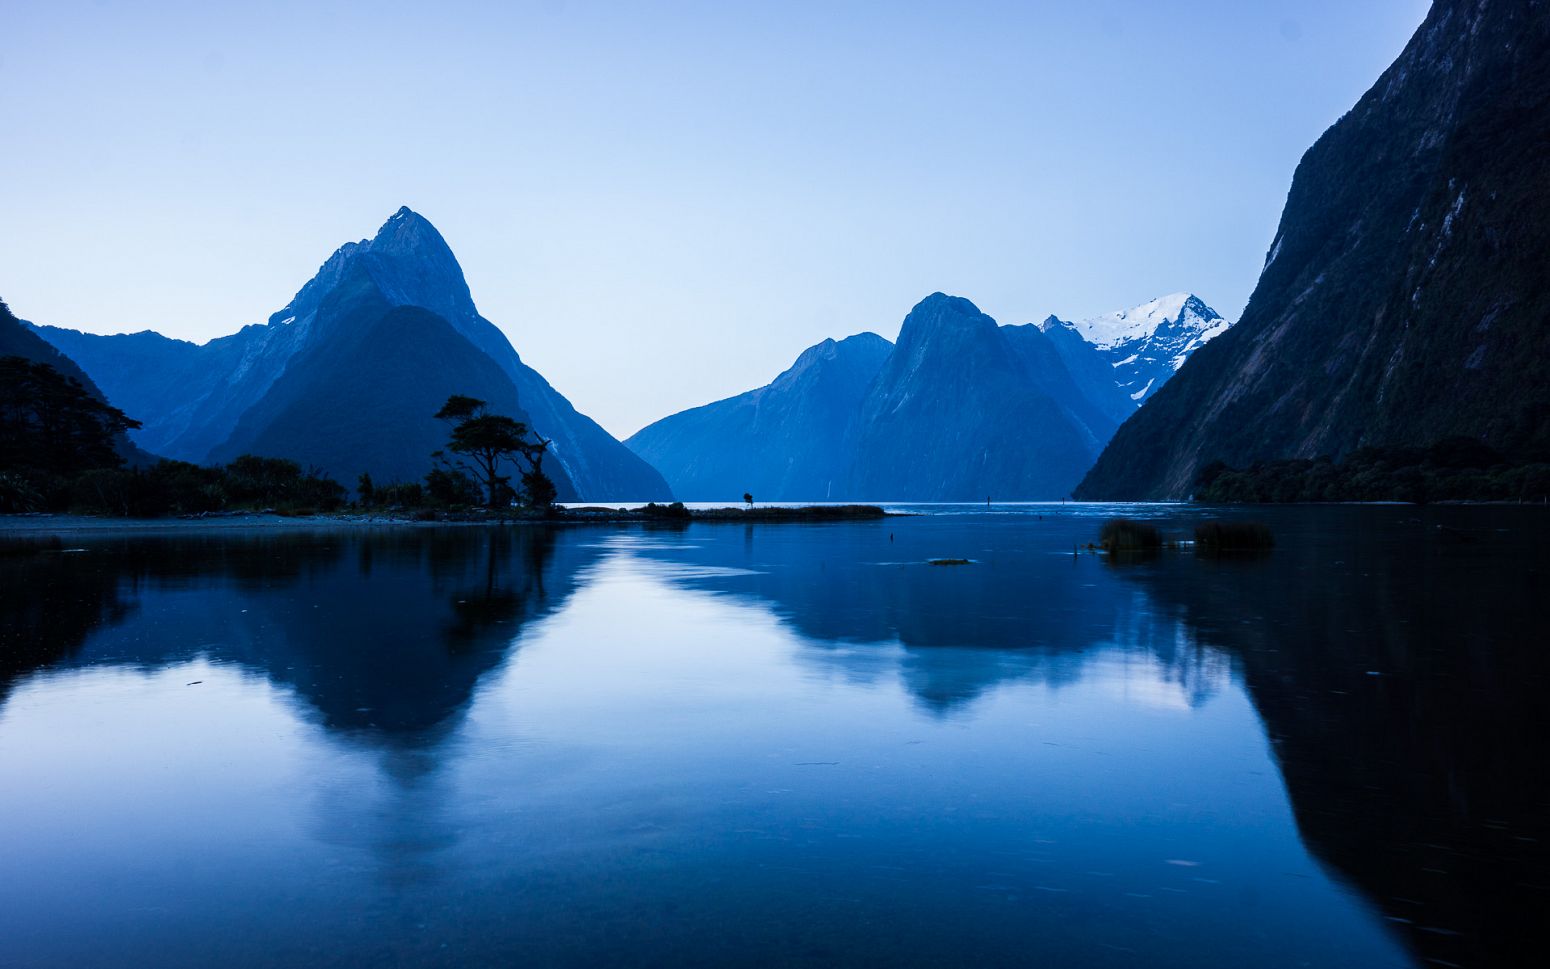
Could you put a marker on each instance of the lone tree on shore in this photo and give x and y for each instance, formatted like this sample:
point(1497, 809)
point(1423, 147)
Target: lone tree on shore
point(487, 443)
point(748, 499)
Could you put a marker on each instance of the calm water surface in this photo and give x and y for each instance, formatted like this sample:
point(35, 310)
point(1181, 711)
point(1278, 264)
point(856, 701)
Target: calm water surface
point(780, 745)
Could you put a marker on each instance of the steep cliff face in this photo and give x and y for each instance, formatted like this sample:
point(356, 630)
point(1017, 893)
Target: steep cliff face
point(786, 441)
point(202, 402)
point(1404, 297)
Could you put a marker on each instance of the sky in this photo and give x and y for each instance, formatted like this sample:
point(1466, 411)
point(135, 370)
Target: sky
point(663, 203)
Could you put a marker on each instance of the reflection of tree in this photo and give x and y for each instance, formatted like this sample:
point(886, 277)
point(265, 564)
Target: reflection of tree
point(50, 601)
point(513, 586)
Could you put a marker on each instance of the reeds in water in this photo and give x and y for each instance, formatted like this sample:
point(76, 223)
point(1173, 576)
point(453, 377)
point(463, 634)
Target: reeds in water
point(1128, 535)
point(1233, 536)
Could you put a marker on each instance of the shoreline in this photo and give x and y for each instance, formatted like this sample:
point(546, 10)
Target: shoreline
point(44, 524)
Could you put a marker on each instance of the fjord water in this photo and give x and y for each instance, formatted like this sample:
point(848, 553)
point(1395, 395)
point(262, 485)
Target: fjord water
point(779, 745)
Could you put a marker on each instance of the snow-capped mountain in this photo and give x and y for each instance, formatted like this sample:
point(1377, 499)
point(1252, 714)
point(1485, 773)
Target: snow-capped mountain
point(1147, 344)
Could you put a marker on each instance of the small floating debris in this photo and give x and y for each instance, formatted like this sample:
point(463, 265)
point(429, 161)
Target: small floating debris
point(948, 562)
point(194, 683)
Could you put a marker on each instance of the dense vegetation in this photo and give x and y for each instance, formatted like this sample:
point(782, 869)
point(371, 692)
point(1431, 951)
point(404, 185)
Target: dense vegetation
point(52, 431)
point(179, 488)
point(1455, 469)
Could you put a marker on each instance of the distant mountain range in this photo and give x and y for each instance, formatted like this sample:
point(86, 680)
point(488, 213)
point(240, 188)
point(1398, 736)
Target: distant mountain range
point(1404, 298)
point(347, 376)
point(960, 410)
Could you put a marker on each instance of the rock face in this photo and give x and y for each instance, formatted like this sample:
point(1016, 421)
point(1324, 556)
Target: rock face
point(1147, 345)
point(1404, 297)
point(361, 394)
point(252, 390)
point(788, 440)
point(960, 409)
point(958, 414)
point(1089, 367)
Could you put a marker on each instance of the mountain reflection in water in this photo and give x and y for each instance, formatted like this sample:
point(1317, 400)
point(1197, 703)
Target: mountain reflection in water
point(597, 807)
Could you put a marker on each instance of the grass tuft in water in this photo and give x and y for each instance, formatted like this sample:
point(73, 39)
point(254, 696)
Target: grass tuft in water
point(1129, 535)
point(1220, 536)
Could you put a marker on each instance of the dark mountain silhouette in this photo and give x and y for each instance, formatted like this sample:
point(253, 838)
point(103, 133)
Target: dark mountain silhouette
point(361, 396)
point(1404, 297)
point(786, 440)
point(200, 402)
point(961, 408)
point(957, 414)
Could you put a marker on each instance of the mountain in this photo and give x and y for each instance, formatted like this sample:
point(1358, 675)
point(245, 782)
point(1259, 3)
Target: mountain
point(958, 414)
point(1403, 299)
point(960, 409)
point(251, 390)
point(361, 394)
point(189, 395)
point(1090, 368)
point(787, 440)
point(18, 340)
point(1148, 344)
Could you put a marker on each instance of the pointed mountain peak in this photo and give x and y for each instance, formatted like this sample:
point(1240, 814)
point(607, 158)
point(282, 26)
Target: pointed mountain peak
point(408, 230)
point(410, 262)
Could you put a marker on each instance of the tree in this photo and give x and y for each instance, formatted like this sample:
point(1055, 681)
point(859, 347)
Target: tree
point(487, 443)
point(51, 425)
point(748, 499)
point(366, 489)
point(539, 489)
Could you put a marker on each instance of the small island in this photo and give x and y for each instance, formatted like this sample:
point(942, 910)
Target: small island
point(677, 512)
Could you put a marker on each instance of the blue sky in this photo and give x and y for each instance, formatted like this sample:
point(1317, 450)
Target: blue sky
point(663, 203)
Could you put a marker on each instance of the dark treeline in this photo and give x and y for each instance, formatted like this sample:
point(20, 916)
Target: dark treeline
point(63, 449)
point(1454, 469)
point(180, 488)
